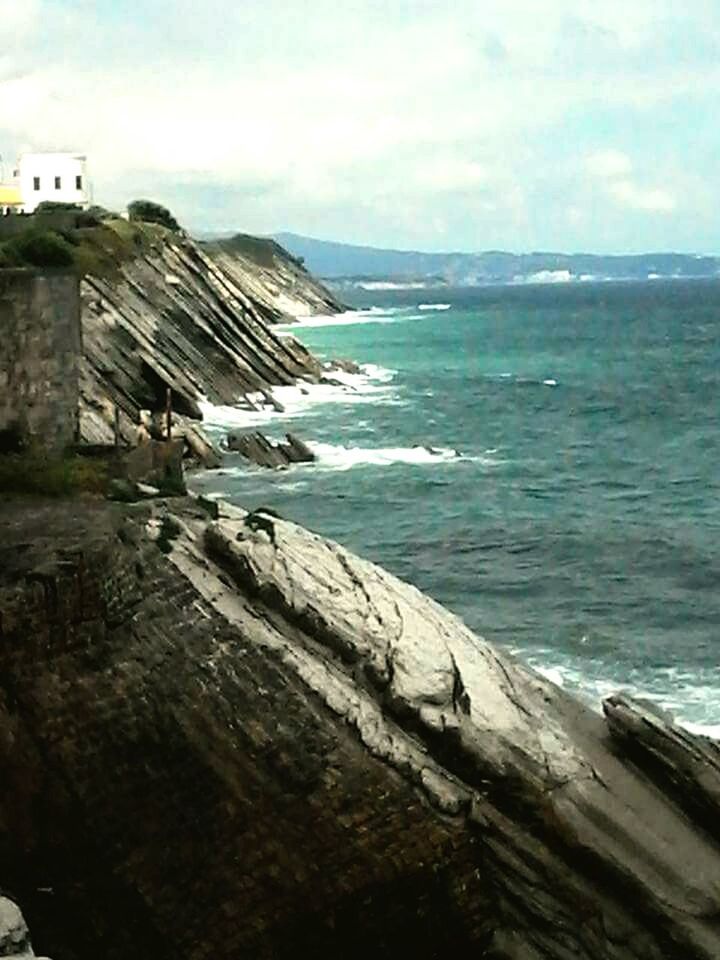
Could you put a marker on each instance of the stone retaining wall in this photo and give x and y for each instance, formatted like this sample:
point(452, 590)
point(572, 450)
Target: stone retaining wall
point(40, 350)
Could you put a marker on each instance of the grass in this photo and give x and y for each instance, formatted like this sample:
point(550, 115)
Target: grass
point(261, 250)
point(98, 250)
point(35, 473)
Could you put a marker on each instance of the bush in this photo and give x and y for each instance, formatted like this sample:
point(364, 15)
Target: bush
point(36, 473)
point(149, 212)
point(45, 249)
point(57, 206)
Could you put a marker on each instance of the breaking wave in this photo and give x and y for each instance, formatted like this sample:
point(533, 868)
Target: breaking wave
point(369, 315)
point(340, 457)
point(371, 385)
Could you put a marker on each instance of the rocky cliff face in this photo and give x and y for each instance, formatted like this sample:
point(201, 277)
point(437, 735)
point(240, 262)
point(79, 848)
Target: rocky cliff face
point(251, 743)
point(274, 278)
point(168, 314)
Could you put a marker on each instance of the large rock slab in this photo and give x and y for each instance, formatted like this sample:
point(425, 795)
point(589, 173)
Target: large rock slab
point(260, 745)
point(257, 448)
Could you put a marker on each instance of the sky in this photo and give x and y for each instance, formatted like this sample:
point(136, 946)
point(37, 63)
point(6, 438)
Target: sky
point(572, 125)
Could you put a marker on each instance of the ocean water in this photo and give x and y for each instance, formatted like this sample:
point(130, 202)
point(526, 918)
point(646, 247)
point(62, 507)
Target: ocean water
point(543, 460)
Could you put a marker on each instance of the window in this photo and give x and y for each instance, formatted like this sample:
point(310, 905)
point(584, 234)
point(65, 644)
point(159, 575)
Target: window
point(78, 182)
point(58, 183)
point(36, 183)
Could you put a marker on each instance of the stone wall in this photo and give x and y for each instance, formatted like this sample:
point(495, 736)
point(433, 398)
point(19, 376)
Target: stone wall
point(40, 349)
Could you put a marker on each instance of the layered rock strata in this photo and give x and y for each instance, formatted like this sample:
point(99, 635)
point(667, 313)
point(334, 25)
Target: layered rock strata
point(272, 277)
point(171, 318)
point(224, 736)
point(266, 453)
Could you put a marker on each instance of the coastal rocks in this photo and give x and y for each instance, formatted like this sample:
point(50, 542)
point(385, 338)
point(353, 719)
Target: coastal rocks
point(347, 366)
point(223, 735)
point(270, 453)
point(277, 281)
point(205, 336)
point(14, 934)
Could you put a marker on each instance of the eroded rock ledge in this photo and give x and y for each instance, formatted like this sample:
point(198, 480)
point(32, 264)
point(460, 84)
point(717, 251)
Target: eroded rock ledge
point(256, 744)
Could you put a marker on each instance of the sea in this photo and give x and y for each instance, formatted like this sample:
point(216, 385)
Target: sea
point(542, 459)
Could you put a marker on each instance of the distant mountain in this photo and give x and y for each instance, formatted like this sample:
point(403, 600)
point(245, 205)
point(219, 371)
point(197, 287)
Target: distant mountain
point(370, 265)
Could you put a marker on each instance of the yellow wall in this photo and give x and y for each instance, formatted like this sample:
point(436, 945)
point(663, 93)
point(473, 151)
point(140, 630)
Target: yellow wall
point(9, 196)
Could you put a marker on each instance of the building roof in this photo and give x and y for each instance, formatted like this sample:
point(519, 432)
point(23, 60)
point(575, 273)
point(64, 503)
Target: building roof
point(9, 195)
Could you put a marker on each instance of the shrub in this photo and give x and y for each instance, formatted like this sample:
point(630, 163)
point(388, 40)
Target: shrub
point(149, 212)
point(57, 206)
point(36, 473)
point(44, 249)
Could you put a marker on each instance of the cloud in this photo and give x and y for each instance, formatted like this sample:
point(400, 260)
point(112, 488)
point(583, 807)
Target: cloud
point(415, 123)
point(608, 163)
point(635, 197)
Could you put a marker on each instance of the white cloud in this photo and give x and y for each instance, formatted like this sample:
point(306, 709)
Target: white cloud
point(636, 197)
point(608, 163)
point(305, 115)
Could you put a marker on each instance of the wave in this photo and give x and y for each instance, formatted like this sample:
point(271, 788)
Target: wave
point(339, 457)
point(348, 318)
point(434, 306)
point(371, 385)
point(691, 698)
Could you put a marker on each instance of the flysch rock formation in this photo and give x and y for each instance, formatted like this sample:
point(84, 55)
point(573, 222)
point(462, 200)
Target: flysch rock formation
point(14, 934)
point(174, 317)
point(257, 448)
point(224, 736)
point(272, 277)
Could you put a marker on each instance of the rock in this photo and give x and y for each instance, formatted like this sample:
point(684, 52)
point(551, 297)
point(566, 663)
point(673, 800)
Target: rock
point(124, 491)
point(266, 453)
point(276, 281)
point(347, 366)
point(191, 743)
point(210, 506)
point(14, 934)
point(299, 452)
point(146, 491)
point(156, 463)
point(685, 766)
point(203, 334)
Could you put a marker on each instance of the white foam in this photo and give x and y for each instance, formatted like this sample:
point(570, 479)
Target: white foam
point(339, 457)
point(350, 317)
point(371, 385)
point(704, 730)
point(434, 306)
point(690, 697)
point(343, 458)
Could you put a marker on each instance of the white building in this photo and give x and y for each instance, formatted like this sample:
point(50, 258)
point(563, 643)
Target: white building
point(61, 177)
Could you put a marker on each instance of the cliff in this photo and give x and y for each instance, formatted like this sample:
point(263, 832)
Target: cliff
point(159, 312)
point(275, 279)
point(223, 736)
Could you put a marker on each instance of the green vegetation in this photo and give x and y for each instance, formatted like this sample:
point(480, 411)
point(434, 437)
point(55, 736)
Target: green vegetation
point(37, 249)
point(259, 250)
point(41, 474)
point(148, 212)
point(57, 206)
point(92, 247)
point(91, 242)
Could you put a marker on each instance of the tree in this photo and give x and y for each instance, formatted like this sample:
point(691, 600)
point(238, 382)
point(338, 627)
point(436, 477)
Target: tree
point(149, 212)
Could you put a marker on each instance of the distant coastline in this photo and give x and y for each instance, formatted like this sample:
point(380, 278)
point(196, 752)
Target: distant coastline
point(348, 265)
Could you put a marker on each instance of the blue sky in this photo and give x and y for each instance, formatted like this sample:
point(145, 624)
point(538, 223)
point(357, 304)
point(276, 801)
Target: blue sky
point(469, 125)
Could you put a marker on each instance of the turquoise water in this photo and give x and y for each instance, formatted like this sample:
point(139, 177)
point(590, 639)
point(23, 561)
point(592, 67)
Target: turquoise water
point(569, 505)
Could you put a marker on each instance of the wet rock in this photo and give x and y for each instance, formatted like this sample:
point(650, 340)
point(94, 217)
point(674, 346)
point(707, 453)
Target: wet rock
point(261, 745)
point(268, 453)
point(205, 335)
point(347, 366)
point(14, 934)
